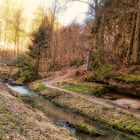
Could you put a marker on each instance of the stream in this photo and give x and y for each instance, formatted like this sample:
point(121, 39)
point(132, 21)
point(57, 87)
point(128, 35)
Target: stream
point(122, 101)
point(65, 119)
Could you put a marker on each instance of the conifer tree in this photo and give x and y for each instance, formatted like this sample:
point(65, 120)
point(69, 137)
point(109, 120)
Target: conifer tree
point(40, 43)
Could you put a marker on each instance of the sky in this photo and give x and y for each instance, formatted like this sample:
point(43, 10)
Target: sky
point(75, 11)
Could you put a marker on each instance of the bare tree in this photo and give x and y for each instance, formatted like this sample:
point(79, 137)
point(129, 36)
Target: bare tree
point(17, 23)
point(136, 47)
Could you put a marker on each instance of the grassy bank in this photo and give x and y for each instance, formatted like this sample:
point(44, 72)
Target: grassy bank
point(92, 110)
point(19, 121)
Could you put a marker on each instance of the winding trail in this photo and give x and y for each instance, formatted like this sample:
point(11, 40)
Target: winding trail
point(108, 103)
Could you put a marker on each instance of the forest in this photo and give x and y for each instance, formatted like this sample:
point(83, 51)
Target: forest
point(70, 69)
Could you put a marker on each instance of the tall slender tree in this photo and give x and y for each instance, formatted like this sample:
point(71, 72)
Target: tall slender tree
point(136, 47)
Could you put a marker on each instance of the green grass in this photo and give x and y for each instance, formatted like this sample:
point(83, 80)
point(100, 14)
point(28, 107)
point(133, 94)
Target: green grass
point(39, 88)
point(5, 116)
point(59, 103)
point(85, 89)
point(129, 79)
point(83, 127)
point(131, 116)
point(79, 88)
point(89, 129)
point(108, 117)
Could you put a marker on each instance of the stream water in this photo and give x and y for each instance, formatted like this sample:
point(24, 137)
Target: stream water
point(63, 118)
point(121, 100)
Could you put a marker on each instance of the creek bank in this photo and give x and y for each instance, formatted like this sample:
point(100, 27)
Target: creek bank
point(125, 81)
point(118, 86)
point(103, 94)
point(89, 129)
point(66, 119)
point(122, 88)
point(20, 121)
point(92, 110)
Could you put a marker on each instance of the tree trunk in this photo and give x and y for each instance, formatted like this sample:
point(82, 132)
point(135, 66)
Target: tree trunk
point(94, 30)
point(15, 42)
point(129, 53)
point(0, 32)
point(136, 48)
point(5, 35)
point(89, 61)
point(38, 60)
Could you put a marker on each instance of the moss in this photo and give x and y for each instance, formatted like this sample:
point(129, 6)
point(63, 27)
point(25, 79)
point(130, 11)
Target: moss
point(136, 130)
point(84, 89)
point(127, 127)
point(129, 79)
point(120, 125)
point(123, 136)
point(109, 117)
point(78, 88)
point(59, 103)
point(86, 128)
point(131, 116)
point(96, 90)
point(39, 88)
point(1, 133)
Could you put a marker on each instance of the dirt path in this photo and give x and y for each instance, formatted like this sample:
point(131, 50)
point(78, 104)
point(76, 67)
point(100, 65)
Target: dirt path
point(124, 109)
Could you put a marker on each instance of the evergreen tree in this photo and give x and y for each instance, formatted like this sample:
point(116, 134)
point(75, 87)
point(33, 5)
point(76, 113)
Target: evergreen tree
point(29, 65)
point(40, 43)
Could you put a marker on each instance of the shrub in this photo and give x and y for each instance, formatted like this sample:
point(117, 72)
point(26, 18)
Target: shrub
point(27, 70)
point(129, 79)
point(39, 88)
point(96, 62)
point(103, 72)
point(76, 62)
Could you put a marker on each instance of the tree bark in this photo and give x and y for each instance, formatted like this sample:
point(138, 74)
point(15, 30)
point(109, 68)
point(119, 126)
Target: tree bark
point(89, 61)
point(136, 48)
point(38, 60)
point(129, 52)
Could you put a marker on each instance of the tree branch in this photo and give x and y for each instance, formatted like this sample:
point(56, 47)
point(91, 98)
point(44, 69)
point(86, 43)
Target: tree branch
point(92, 5)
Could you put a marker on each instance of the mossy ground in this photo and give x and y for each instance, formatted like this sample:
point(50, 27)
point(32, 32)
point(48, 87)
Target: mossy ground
point(81, 126)
point(134, 79)
point(89, 129)
point(9, 124)
point(85, 89)
point(37, 87)
point(94, 111)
